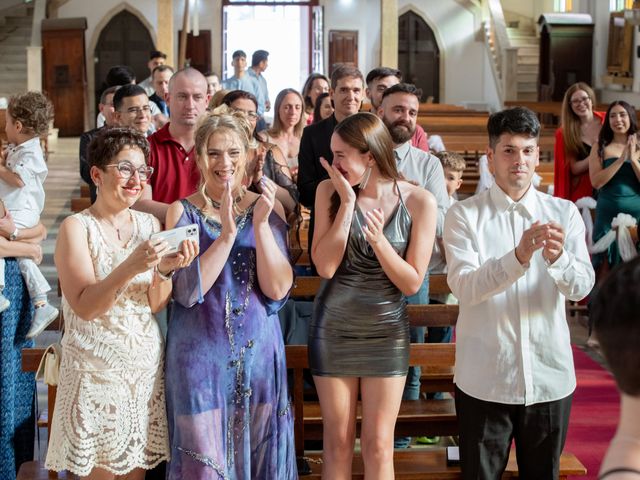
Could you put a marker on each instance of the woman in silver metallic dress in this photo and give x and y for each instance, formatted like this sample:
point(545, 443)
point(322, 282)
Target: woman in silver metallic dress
point(373, 240)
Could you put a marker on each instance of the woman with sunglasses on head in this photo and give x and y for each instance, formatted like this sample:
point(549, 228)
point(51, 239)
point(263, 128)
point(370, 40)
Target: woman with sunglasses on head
point(227, 401)
point(264, 159)
point(372, 241)
point(313, 87)
point(580, 126)
point(110, 420)
point(614, 169)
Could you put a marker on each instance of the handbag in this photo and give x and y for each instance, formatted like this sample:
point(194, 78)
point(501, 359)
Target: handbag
point(49, 368)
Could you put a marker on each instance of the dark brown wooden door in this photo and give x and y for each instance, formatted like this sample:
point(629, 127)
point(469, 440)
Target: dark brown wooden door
point(343, 48)
point(123, 41)
point(198, 50)
point(64, 72)
point(419, 55)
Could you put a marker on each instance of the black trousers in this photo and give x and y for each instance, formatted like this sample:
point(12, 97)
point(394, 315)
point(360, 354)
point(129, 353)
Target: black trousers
point(487, 429)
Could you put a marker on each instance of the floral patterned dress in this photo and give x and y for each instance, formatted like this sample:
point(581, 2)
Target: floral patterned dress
point(110, 404)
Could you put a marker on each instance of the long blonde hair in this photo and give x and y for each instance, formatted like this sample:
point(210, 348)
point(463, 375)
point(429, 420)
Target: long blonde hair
point(570, 122)
point(222, 121)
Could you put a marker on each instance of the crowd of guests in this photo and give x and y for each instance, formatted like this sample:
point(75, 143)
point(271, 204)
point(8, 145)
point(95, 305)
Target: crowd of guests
point(173, 152)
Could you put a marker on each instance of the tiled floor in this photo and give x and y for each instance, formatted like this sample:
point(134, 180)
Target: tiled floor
point(63, 183)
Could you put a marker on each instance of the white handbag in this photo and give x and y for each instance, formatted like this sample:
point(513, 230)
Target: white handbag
point(49, 368)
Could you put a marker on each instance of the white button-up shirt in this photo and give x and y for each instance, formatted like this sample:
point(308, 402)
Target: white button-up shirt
point(512, 337)
point(25, 203)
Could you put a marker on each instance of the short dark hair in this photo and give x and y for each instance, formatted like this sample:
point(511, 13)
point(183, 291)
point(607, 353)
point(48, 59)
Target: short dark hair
point(409, 88)
point(614, 312)
point(33, 110)
point(238, 53)
point(110, 141)
point(157, 54)
point(161, 68)
point(259, 56)
point(383, 72)
point(516, 121)
point(211, 74)
point(108, 91)
point(126, 91)
point(234, 95)
point(345, 70)
point(120, 75)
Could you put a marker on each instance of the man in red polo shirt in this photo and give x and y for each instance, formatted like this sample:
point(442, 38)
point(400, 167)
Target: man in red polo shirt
point(173, 155)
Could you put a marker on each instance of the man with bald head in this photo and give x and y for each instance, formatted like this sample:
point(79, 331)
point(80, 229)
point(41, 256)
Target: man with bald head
point(172, 153)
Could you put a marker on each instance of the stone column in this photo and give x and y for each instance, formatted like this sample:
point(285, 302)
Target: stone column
point(165, 42)
point(389, 33)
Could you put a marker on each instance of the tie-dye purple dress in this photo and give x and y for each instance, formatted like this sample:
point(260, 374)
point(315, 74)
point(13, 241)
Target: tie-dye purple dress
point(226, 381)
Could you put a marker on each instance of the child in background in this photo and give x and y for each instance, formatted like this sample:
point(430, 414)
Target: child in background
point(22, 174)
point(453, 165)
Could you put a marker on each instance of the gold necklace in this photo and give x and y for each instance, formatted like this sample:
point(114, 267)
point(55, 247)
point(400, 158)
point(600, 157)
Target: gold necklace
point(109, 222)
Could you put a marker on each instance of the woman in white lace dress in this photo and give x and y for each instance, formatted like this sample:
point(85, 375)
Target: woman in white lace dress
point(109, 419)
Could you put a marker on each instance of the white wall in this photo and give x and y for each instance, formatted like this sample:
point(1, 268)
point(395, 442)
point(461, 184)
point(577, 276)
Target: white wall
point(463, 76)
point(361, 15)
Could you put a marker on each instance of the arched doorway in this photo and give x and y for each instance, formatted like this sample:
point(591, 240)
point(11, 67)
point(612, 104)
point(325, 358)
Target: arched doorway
point(419, 55)
point(125, 40)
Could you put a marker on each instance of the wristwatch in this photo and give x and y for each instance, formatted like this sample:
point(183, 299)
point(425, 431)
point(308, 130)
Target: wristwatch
point(14, 235)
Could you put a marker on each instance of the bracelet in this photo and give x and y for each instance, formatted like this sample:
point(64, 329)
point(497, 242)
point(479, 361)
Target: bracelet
point(164, 276)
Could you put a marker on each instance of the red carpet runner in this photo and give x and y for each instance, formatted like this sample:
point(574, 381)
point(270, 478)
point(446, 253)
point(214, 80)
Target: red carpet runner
point(594, 413)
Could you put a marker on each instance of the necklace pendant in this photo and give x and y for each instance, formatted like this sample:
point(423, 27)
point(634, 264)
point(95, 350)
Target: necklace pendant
point(118, 234)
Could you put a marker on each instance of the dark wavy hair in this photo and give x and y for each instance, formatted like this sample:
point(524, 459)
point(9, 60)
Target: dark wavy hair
point(606, 132)
point(108, 143)
point(614, 311)
point(306, 88)
point(316, 109)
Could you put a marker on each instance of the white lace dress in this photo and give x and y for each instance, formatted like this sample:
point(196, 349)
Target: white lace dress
point(110, 405)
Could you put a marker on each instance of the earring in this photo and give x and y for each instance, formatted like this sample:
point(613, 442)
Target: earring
point(365, 178)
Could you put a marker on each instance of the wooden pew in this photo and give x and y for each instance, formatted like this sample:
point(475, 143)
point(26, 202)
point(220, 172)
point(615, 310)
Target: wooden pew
point(35, 470)
point(431, 464)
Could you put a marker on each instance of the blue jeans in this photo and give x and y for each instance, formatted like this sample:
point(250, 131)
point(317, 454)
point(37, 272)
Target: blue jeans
point(416, 334)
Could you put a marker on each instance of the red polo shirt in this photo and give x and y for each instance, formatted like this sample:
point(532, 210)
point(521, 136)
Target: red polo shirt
point(175, 174)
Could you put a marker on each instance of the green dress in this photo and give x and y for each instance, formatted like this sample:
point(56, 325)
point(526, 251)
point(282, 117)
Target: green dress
point(621, 194)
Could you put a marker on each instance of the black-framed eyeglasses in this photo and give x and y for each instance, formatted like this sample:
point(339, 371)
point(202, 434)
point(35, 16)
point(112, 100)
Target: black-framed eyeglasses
point(578, 101)
point(138, 110)
point(126, 170)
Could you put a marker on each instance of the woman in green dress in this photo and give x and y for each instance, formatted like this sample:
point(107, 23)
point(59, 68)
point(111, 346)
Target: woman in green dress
point(614, 169)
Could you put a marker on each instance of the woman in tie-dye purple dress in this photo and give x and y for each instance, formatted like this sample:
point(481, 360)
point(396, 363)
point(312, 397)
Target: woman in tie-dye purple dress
point(226, 385)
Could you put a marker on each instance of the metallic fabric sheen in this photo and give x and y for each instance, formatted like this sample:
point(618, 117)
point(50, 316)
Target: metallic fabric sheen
point(360, 325)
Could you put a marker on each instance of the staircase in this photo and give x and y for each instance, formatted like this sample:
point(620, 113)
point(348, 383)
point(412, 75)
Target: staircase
point(15, 36)
point(523, 36)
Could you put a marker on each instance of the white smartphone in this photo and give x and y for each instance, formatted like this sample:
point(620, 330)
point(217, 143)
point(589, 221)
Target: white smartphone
point(175, 236)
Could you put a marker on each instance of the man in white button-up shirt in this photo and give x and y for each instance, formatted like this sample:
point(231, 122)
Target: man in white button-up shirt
point(515, 255)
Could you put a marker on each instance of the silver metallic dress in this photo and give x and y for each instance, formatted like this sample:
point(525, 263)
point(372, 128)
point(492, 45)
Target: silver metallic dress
point(360, 325)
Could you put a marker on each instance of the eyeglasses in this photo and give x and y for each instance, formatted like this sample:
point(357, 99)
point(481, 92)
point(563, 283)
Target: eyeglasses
point(126, 170)
point(251, 115)
point(578, 101)
point(138, 110)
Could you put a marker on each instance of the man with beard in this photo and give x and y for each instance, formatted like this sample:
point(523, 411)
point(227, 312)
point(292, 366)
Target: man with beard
point(399, 112)
point(378, 80)
point(172, 153)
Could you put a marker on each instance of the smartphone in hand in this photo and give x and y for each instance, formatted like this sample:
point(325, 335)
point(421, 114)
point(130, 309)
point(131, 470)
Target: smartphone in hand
point(176, 236)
